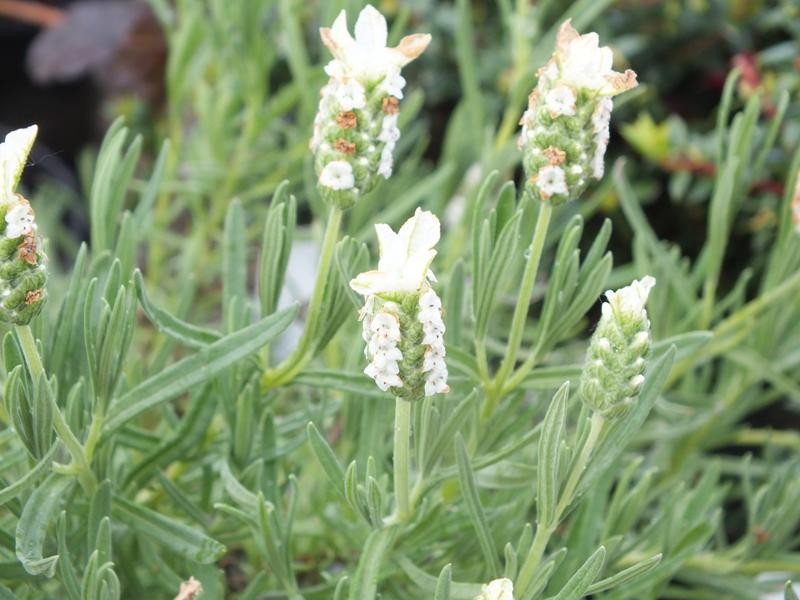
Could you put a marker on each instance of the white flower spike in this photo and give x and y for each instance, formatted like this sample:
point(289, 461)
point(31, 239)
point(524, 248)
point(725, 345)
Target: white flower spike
point(358, 110)
point(499, 589)
point(565, 130)
point(402, 315)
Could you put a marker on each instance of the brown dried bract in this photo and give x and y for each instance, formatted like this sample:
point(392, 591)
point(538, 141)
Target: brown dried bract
point(27, 250)
point(34, 296)
point(391, 106)
point(190, 590)
point(347, 120)
point(344, 146)
point(554, 155)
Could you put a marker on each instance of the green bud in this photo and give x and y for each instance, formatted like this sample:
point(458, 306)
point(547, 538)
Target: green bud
point(614, 371)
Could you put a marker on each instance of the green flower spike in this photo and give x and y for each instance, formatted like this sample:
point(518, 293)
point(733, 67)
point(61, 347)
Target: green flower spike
point(565, 129)
point(614, 370)
point(22, 271)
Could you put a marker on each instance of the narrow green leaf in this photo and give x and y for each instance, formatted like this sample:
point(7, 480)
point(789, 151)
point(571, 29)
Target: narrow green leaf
point(579, 583)
point(547, 473)
point(327, 459)
point(443, 584)
point(172, 534)
point(365, 579)
point(29, 478)
point(196, 369)
point(179, 330)
point(469, 491)
point(39, 511)
point(625, 575)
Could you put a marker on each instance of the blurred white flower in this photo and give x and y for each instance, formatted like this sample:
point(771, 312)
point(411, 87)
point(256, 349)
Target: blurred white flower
point(586, 64)
point(560, 101)
point(337, 175)
point(629, 301)
point(405, 256)
point(20, 219)
point(366, 57)
point(551, 180)
point(499, 589)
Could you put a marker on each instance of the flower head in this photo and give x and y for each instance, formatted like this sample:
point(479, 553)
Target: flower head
point(13, 155)
point(499, 589)
point(366, 56)
point(628, 302)
point(587, 65)
point(405, 257)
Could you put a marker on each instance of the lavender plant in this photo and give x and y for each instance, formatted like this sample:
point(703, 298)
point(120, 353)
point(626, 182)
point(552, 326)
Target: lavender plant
point(174, 425)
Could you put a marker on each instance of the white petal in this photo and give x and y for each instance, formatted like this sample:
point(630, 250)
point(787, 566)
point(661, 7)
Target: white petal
point(371, 32)
point(14, 153)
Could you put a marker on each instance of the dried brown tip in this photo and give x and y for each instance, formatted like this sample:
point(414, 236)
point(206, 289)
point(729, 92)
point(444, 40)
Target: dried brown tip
point(412, 46)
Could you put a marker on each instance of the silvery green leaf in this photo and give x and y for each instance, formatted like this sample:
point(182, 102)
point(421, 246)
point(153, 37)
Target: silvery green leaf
point(469, 492)
point(579, 583)
point(196, 369)
point(547, 473)
point(39, 511)
point(443, 584)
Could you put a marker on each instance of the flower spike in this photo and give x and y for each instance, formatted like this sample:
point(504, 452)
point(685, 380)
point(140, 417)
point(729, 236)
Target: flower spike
point(565, 130)
point(22, 271)
point(356, 127)
point(402, 315)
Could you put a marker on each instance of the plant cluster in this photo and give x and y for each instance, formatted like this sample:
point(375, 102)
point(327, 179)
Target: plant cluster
point(491, 406)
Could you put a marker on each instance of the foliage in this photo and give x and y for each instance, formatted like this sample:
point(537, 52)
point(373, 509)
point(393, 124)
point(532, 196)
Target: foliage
point(179, 424)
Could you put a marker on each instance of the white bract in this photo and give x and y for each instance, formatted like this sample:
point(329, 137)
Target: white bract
point(350, 95)
point(382, 334)
point(14, 153)
point(20, 219)
point(584, 64)
point(434, 367)
point(628, 302)
point(499, 589)
point(405, 257)
point(551, 180)
point(366, 57)
point(337, 175)
point(560, 101)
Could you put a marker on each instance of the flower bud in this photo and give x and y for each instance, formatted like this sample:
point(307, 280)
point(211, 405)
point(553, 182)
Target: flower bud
point(614, 371)
point(499, 589)
point(402, 315)
point(355, 130)
point(565, 130)
point(22, 271)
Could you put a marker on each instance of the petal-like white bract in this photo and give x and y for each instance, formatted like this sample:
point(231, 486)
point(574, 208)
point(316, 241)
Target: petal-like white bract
point(366, 57)
point(499, 589)
point(14, 153)
point(405, 256)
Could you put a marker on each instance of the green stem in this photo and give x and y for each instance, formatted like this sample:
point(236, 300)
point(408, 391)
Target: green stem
point(545, 530)
point(522, 307)
point(295, 363)
point(402, 436)
point(567, 496)
point(36, 370)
